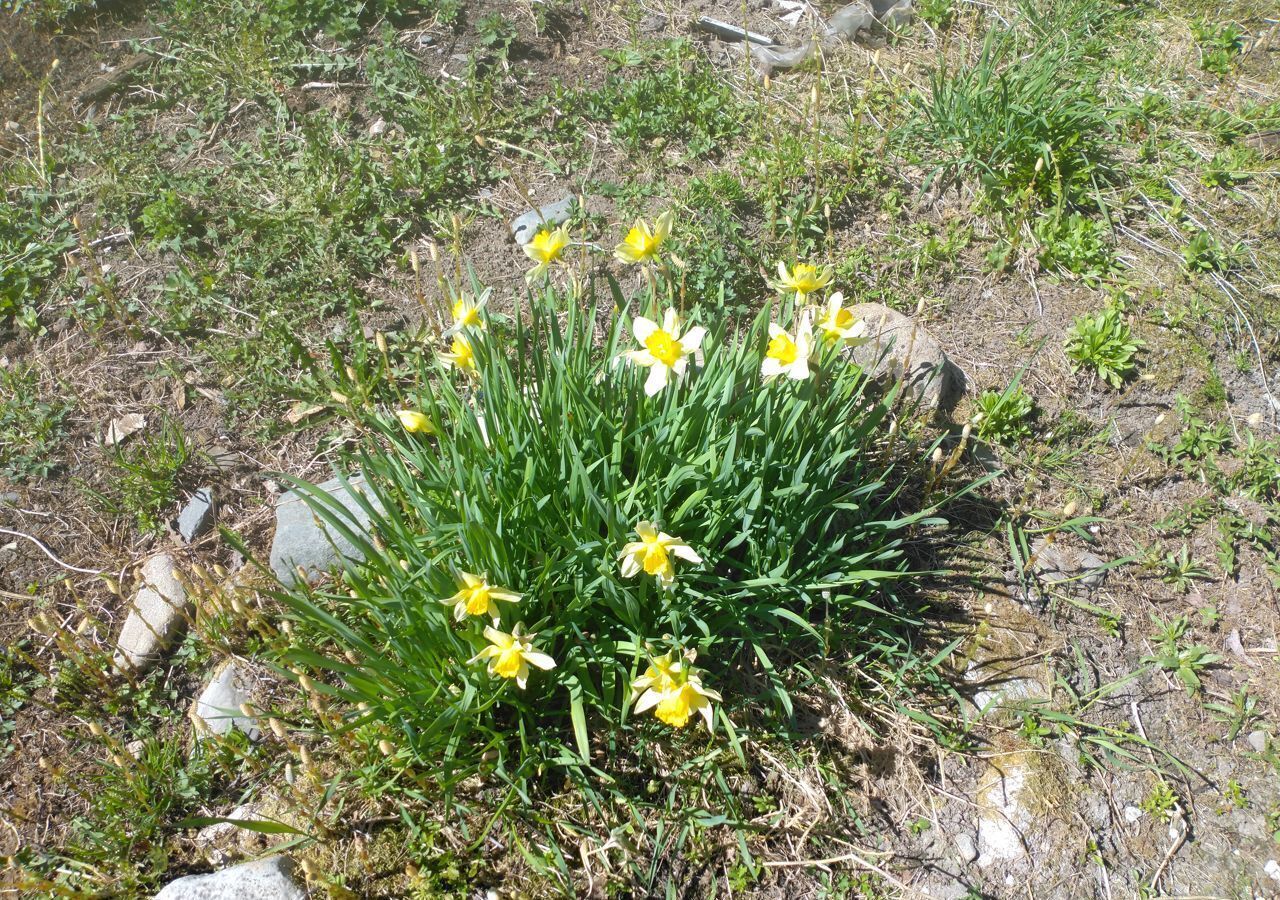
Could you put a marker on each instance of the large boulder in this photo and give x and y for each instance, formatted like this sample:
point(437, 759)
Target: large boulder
point(266, 879)
point(902, 349)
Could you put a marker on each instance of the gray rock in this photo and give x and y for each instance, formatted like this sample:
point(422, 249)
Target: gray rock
point(217, 709)
point(1055, 563)
point(9, 498)
point(1258, 741)
point(1004, 813)
point(156, 617)
point(526, 226)
point(901, 349)
point(1272, 868)
point(217, 841)
point(966, 850)
point(301, 539)
point(196, 517)
point(266, 879)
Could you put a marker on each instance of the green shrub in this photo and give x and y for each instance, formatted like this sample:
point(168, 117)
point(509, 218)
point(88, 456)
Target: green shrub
point(538, 474)
point(1104, 343)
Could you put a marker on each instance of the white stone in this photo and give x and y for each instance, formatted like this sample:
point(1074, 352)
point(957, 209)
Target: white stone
point(266, 879)
point(1258, 741)
point(1002, 816)
point(965, 848)
point(1132, 814)
point(217, 710)
point(157, 615)
point(214, 840)
point(1272, 868)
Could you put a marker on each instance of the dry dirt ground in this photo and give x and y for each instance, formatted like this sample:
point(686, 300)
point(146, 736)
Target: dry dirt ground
point(1104, 777)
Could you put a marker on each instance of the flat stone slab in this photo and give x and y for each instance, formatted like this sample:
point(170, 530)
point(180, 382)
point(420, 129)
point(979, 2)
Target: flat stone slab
point(524, 227)
point(156, 616)
point(217, 709)
point(266, 879)
point(302, 540)
point(902, 349)
point(1056, 563)
point(196, 517)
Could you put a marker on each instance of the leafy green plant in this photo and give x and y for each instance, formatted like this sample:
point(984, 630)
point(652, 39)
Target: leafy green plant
point(1220, 43)
point(1161, 802)
point(1181, 571)
point(33, 239)
point(938, 13)
point(31, 425)
point(1075, 244)
point(148, 475)
point(790, 510)
point(1104, 343)
point(1237, 714)
point(1204, 254)
point(1004, 417)
point(496, 33)
point(1185, 662)
point(1259, 473)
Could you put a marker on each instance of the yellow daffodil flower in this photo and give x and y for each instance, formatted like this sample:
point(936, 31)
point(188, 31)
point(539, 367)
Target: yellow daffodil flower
point(466, 313)
point(665, 351)
point(476, 597)
point(653, 553)
point(838, 323)
point(546, 247)
point(803, 278)
point(510, 655)
point(674, 691)
point(641, 244)
point(415, 422)
point(787, 355)
point(461, 356)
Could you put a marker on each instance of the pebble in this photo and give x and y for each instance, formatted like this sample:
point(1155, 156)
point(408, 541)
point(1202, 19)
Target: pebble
point(1258, 741)
point(217, 709)
point(196, 517)
point(157, 615)
point(1055, 563)
point(265, 879)
point(1132, 814)
point(526, 226)
point(966, 849)
point(1272, 868)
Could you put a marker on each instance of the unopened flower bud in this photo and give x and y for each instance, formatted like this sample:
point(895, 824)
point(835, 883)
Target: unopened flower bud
point(1069, 510)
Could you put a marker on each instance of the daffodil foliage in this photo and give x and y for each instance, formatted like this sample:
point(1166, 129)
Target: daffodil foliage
point(658, 558)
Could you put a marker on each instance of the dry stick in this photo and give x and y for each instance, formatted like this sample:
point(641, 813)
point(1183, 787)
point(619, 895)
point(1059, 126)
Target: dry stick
point(49, 553)
point(848, 857)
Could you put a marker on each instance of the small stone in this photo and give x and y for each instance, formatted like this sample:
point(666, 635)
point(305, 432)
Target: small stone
point(379, 126)
point(9, 498)
point(216, 841)
point(218, 708)
point(1258, 741)
point(135, 748)
point(966, 849)
point(1132, 814)
point(266, 879)
point(526, 226)
point(1054, 564)
point(301, 540)
point(1272, 868)
point(1003, 814)
point(196, 517)
point(157, 615)
point(898, 342)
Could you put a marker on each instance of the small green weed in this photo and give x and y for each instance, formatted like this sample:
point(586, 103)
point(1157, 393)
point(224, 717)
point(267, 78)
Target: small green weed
point(147, 476)
point(1004, 417)
point(31, 426)
point(1237, 714)
point(1181, 571)
point(1219, 42)
point(1205, 254)
point(1104, 343)
point(1185, 662)
point(1076, 244)
point(1161, 802)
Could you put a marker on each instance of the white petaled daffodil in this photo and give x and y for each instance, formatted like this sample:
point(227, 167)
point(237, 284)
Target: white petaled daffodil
point(476, 597)
point(510, 655)
point(786, 355)
point(461, 356)
point(642, 243)
point(837, 322)
point(466, 313)
point(415, 422)
point(666, 352)
point(652, 554)
point(803, 279)
point(673, 689)
point(546, 248)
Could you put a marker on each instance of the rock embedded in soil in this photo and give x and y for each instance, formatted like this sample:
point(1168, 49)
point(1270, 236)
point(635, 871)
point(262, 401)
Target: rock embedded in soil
point(1054, 564)
point(156, 617)
point(526, 226)
point(1003, 811)
point(1258, 741)
point(218, 841)
point(265, 879)
point(902, 349)
point(218, 708)
point(196, 517)
point(301, 539)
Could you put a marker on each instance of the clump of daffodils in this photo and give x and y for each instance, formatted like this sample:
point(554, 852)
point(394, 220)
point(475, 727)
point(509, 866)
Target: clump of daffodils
point(653, 554)
point(510, 655)
point(673, 689)
point(665, 351)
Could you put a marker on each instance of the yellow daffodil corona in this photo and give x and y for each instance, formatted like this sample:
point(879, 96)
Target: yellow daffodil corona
point(642, 244)
point(475, 597)
point(674, 691)
point(837, 323)
point(461, 356)
point(546, 248)
point(510, 655)
point(652, 554)
point(666, 351)
point(788, 355)
point(803, 279)
point(414, 421)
